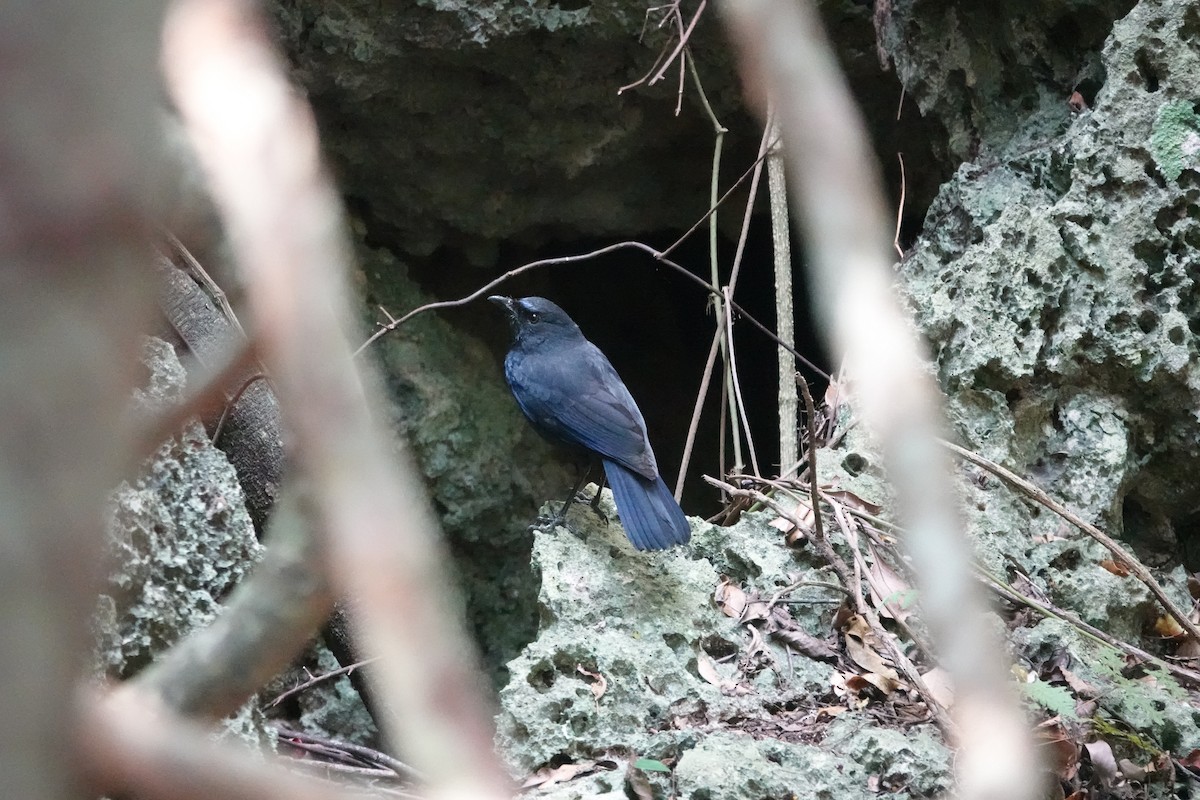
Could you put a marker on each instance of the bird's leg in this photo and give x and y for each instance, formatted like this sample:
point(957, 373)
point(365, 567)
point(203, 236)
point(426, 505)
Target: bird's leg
point(558, 518)
point(595, 504)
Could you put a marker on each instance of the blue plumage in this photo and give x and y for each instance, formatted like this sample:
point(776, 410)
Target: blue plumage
point(572, 395)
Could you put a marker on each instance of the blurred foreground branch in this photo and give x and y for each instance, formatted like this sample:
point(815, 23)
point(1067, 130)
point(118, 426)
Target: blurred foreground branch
point(258, 143)
point(77, 94)
point(835, 185)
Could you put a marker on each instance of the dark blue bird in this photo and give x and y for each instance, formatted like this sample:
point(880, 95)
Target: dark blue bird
point(574, 397)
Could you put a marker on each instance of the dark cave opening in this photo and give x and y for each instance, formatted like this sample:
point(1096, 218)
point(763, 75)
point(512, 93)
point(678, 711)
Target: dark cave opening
point(656, 327)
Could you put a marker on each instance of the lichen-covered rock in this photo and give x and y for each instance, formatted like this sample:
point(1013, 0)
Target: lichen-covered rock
point(180, 537)
point(988, 71)
point(1057, 282)
point(634, 658)
point(484, 467)
point(1151, 704)
point(465, 125)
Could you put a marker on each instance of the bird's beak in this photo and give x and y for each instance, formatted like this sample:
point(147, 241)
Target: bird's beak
point(510, 309)
point(506, 303)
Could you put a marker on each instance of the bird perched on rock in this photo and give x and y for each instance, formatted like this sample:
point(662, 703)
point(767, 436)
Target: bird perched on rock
point(573, 396)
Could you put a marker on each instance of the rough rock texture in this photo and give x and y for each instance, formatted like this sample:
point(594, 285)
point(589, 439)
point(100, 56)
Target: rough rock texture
point(331, 709)
point(1054, 279)
point(180, 537)
point(1058, 284)
point(476, 123)
point(1156, 707)
point(462, 130)
point(486, 470)
point(986, 69)
point(642, 623)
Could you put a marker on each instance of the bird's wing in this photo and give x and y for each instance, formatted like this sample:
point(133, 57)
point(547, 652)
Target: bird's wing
point(580, 399)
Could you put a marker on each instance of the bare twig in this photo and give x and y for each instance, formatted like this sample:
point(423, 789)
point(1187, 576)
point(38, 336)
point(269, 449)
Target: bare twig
point(490, 286)
point(720, 302)
point(848, 578)
point(814, 493)
point(683, 40)
point(739, 403)
point(713, 209)
point(368, 755)
point(840, 513)
point(319, 679)
point(726, 296)
point(823, 547)
point(785, 322)
point(653, 68)
point(1005, 590)
point(900, 207)
point(667, 54)
point(701, 395)
point(200, 274)
point(130, 747)
point(1124, 556)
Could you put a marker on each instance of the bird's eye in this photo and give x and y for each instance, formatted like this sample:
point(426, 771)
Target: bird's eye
point(534, 316)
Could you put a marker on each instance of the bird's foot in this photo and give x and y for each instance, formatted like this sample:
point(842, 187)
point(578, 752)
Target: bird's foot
point(551, 521)
point(595, 506)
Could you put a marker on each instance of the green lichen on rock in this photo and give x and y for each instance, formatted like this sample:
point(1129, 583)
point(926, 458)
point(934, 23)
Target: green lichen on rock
point(180, 537)
point(485, 469)
point(1149, 704)
point(997, 74)
point(633, 658)
point(1175, 140)
point(1056, 282)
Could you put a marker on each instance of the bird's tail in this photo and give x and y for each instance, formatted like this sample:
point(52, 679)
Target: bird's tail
point(652, 518)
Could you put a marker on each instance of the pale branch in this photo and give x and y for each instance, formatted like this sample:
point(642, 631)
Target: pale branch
point(285, 221)
point(787, 61)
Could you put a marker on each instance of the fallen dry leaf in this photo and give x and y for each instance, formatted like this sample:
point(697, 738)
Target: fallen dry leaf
point(890, 593)
point(937, 680)
point(598, 682)
point(638, 782)
point(730, 598)
point(548, 776)
point(1189, 648)
point(1103, 762)
point(1168, 627)
point(708, 669)
point(1078, 684)
point(831, 711)
point(860, 646)
point(851, 500)
point(1061, 752)
point(835, 391)
point(1115, 567)
point(1131, 771)
point(806, 644)
point(801, 512)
